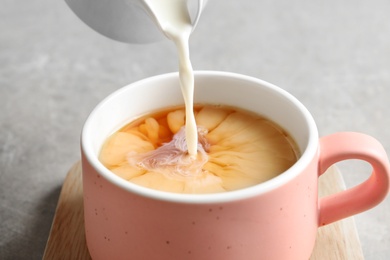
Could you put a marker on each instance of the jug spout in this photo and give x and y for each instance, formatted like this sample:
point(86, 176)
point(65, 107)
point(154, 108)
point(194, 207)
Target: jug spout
point(125, 20)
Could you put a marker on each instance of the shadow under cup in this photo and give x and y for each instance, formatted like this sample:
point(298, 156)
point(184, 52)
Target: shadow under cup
point(276, 219)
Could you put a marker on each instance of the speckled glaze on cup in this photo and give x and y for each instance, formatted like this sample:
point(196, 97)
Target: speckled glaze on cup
point(277, 219)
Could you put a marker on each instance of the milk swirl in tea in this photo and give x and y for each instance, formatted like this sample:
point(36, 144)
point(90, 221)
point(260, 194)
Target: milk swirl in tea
point(237, 149)
point(228, 150)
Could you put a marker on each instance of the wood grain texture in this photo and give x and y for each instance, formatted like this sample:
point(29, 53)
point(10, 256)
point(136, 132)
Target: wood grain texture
point(337, 241)
point(67, 236)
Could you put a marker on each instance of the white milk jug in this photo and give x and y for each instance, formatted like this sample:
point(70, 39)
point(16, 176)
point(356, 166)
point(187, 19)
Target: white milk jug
point(130, 21)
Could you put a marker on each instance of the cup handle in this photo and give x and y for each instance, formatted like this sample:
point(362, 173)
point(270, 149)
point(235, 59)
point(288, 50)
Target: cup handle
point(349, 145)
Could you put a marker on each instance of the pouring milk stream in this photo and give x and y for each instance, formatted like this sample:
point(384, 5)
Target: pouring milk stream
point(173, 18)
point(132, 21)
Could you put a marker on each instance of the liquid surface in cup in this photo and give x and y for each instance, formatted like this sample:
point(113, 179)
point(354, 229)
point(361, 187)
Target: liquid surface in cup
point(236, 149)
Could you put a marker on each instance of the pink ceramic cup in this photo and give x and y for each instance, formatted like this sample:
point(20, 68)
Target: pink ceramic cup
point(277, 219)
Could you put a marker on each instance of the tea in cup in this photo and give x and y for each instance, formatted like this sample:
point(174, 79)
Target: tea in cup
point(274, 218)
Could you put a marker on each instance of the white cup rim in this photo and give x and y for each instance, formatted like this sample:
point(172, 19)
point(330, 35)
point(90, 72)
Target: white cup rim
point(304, 160)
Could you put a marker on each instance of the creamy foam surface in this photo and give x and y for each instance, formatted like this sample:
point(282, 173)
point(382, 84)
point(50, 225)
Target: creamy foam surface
point(236, 149)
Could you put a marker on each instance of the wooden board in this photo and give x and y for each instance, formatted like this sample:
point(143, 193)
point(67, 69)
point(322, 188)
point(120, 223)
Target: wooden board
point(67, 238)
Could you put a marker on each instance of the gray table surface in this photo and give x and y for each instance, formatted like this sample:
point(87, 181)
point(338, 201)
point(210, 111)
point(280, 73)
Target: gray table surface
point(332, 55)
